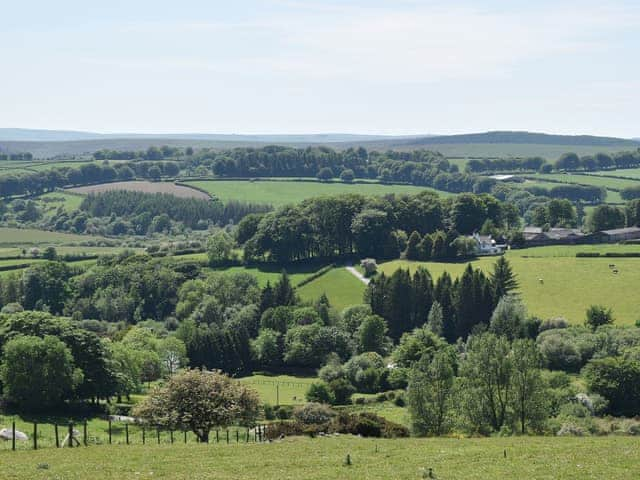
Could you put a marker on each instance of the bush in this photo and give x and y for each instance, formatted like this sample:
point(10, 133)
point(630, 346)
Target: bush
point(342, 391)
point(269, 412)
point(284, 413)
point(319, 392)
point(367, 424)
point(313, 413)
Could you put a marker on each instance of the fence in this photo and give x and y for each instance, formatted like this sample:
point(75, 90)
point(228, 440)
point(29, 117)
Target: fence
point(46, 435)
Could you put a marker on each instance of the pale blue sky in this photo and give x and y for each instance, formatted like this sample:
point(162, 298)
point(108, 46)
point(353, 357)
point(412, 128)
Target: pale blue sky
point(295, 66)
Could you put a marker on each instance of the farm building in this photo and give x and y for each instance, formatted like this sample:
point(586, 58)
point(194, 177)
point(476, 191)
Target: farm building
point(554, 236)
point(617, 235)
point(485, 245)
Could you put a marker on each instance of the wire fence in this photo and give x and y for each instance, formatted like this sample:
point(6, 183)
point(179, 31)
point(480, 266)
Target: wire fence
point(84, 434)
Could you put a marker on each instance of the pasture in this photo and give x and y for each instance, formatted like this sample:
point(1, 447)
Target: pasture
point(280, 389)
point(283, 192)
point(632, 173)
point(341, 287)
point(26, 236)
point(569, 284)
point(542, 458)
point(591, 180)
point(143, 186)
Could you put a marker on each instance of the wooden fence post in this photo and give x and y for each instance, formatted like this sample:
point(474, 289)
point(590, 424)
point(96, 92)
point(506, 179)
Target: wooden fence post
point(84, 433)
point(143, 435)
point(237, 436)
point(158, 434)
point(55, 428)
point(171, 435)
point(217, 438)
point(126, 432)
point(109, 431)
point(70, 435)
point(227, 435)
point(185, 436)
point(13, 437)
point(35, 435)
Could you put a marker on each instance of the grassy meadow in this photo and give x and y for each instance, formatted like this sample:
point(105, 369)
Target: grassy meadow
point(26, 236)
point(541, 458)
point(283, 192)
point(341, 287)
point(570, 285)
point(280, 389)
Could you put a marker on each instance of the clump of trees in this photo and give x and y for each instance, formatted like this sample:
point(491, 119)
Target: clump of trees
point(371, 227)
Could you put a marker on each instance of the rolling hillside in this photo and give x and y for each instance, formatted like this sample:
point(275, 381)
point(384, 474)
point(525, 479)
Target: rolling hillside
point(49, 143)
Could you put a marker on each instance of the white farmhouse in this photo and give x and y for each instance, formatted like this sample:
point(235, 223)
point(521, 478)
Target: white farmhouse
point(485, 245)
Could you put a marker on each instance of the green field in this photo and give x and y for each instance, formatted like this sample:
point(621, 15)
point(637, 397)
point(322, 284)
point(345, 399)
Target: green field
point(50, 202)
point(281, 192)
point(502, 150)
point(280, 389)
point(25, 236)
point(570, 285)
point(549, 181)
point(540, 458)
point(341, 287)
point(593, 180)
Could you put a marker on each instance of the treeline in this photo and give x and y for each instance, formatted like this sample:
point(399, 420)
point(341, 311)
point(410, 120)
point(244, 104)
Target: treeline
point(367, 226)
point(567, 162)
point(141, 208)
point(48, 180)
point(420, 167)
point(152, 153)
point(574, 193)
point(16, 157)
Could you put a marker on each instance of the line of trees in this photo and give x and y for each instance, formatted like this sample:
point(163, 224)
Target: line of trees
point(566, 162)
point(368, 226)
point(48, 180)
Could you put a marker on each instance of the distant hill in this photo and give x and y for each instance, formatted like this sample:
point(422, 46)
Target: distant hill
point(33, 135)
point(508, 137)
point(51, 143)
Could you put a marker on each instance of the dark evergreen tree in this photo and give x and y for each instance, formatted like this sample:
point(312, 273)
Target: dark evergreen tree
point(413, 252)
point(422, 295)
point(503, 280)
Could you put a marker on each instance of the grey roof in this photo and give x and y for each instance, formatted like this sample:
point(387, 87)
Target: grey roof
point(621, 231)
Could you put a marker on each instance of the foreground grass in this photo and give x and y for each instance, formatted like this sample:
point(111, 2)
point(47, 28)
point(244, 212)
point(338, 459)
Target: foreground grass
point(323, 458)
point(278, 192)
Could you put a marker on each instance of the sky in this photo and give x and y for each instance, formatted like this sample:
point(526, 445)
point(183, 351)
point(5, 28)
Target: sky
point(396, 67)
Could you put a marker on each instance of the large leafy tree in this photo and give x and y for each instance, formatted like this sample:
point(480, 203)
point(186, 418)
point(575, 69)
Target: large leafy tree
point(38, 373)
point(529, 391)
point(430, 394)
point(200, 401)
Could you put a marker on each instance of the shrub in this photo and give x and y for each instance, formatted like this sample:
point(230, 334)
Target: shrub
point(570, 429)
point(319, 392)
point(313, 413)
point(553, 323)
point(342, 391)
point(284, 413)
point(400, 401)
point(269, 412)
point(367, 424)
